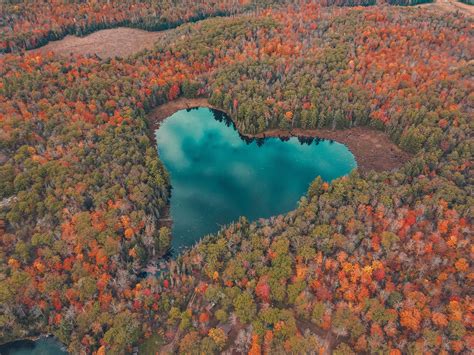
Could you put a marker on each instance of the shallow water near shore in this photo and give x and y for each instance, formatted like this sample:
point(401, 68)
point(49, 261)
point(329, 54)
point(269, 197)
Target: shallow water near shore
point(218, 175)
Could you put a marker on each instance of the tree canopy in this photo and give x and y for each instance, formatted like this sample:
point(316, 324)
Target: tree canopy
point(375, 262)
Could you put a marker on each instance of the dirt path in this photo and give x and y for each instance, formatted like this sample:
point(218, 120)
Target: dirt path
point(171, 347)
point(330, 340)
point(121, 42)
point(450, 6)
point(372, 149)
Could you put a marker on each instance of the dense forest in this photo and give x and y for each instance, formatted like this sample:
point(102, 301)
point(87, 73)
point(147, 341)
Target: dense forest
point(372, 263)
point(30, 24)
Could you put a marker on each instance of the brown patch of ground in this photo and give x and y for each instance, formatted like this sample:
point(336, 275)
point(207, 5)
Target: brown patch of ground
point(116, 42)
point(372, 149)
point(450, 6)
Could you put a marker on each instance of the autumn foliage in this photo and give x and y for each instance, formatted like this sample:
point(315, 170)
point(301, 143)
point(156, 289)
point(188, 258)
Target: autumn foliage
point(373, 263)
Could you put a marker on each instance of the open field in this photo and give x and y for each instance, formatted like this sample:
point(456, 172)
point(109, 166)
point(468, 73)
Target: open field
point(116, 42)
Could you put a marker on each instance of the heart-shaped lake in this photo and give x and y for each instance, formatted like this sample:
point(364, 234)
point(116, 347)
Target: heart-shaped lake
point(218, 175)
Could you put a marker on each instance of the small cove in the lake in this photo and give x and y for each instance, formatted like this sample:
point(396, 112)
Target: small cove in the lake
point(218, 175)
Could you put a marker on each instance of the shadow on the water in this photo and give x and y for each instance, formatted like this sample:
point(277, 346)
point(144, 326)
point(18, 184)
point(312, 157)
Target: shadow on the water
point(222, 117)
point(309, 140)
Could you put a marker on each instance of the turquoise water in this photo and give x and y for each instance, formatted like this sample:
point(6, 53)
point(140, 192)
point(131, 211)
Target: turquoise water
point(217, 175)
point(43, 346)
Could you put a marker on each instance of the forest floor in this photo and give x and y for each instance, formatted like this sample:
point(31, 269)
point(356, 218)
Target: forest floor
point(373, 150)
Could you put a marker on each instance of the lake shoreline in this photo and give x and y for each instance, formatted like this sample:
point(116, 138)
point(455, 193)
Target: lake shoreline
point(31, 339)
point(372, 149)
